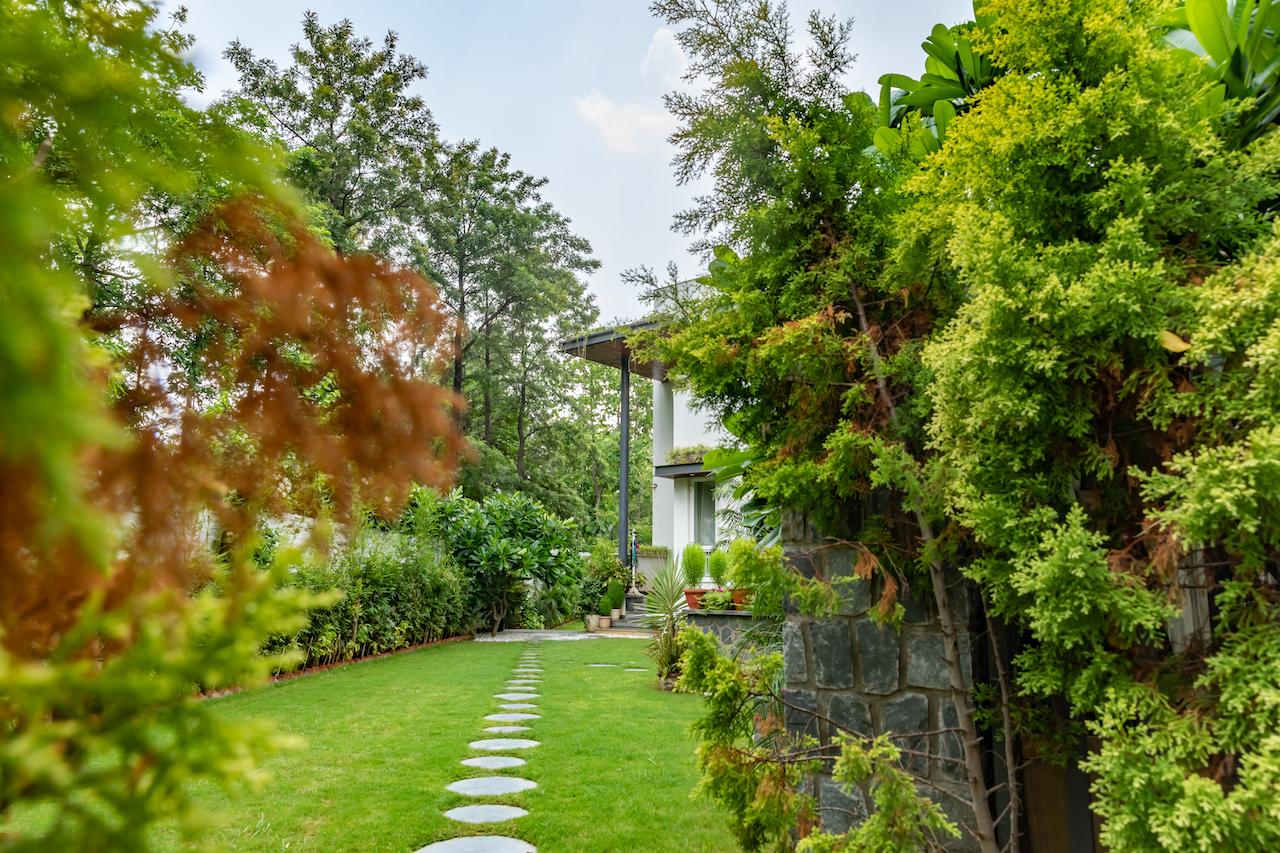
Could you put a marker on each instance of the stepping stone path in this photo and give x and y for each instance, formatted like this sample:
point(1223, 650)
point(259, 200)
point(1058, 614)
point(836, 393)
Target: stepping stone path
point(602, 664)
point(485, 814)
point(481, 844)
point(491, 786)
point(494, 762)
point(521, 689)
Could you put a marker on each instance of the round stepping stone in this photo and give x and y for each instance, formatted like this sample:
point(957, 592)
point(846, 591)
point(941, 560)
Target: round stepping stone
point(491, 786)
point(516, 697)
point(494, 762)
point(636, 669)
point(484, 814)
point(602, 664)
point(519, 706)
point(498, 744)
point(480, 844)
point(512, 718)
point(506, 730)
point(527, 671)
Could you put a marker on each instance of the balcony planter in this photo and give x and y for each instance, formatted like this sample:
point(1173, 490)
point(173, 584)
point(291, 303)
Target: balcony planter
point(693, 597)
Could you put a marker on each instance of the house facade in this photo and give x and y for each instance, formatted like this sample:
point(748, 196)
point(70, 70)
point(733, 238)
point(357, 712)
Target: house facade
point(687, 505)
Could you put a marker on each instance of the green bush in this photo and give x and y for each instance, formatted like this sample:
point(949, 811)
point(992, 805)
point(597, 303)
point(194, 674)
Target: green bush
point(693, 563)
point(717, 599)
point(604, 607)
point(616, 594)
point(718, 567)
point(503, 545)
point(395, 591)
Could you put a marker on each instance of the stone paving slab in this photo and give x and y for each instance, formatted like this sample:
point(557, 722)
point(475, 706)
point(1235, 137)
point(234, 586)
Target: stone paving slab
point(516, 697)
point(512, 718)
point(480, 844)
point(506, 730)
point(494, 762)
point(485, 814)
point(498, 744)
point(491, 786)
point(518, 706)
point(602, 664)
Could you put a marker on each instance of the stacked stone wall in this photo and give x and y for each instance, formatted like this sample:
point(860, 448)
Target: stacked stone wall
point(849, 672)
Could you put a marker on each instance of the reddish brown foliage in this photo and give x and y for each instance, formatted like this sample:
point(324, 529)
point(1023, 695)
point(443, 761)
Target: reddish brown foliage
point(321, 404)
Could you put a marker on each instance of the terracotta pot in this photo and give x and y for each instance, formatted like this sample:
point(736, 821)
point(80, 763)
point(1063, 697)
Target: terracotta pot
point(605, 622)
point(693, 598)
point(615, 614)
point(593, 622)
point(740, 597)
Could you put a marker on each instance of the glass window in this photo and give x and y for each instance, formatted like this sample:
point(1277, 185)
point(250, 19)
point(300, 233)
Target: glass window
point(704, 512)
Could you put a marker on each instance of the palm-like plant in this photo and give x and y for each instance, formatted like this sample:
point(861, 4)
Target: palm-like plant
point(1240, 39)
point(664, 612)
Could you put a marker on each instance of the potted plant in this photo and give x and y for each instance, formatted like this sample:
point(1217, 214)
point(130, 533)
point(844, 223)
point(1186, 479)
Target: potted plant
point(693, 565)
point(604, 609)
point(616, 598)
point(718, 599)
point(593, 622)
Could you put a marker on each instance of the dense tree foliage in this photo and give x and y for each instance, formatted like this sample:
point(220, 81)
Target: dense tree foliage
point(1025, 335)
point(365, 151)
point(131, 220)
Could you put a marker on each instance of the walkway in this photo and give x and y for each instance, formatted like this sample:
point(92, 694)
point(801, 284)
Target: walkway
point(516, 706)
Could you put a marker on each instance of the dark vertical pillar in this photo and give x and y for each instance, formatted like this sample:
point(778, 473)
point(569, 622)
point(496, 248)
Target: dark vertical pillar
point(624, 457)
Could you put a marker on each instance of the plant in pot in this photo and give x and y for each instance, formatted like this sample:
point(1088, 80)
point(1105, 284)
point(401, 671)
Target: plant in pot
point(718, 568)
point(604, 611)
point(718, 599)
point(693, 565)
point(616, 597)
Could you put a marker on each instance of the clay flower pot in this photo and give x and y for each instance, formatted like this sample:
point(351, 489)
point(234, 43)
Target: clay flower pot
point(615, 614)
point(593, 622)
point(740, 597)
point(605, 622)
point(693, 598)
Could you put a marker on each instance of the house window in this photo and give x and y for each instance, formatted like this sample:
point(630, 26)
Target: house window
point(704, 512)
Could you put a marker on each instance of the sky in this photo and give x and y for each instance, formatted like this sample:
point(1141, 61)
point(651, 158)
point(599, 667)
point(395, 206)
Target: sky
point(570, 88)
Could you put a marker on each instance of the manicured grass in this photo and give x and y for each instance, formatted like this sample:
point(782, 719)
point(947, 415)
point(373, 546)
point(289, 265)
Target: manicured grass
point(385, 737)
point(576, 625)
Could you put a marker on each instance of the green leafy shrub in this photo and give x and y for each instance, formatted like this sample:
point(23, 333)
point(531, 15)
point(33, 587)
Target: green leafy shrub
point(604, 607)
point(393, 591)
point(501, 544)
point(693, 563)
point(616, 595)
point(717, 599)
point(718, 567)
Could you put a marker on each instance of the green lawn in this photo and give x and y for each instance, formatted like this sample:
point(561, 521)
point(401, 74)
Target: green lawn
point(385, 737)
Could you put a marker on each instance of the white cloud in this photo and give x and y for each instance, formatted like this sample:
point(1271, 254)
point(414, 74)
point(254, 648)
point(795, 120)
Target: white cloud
point(664, 61)
point(625, 128)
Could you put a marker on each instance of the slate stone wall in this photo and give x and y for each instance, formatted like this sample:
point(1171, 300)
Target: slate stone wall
point(726, 625)
point(849, 671)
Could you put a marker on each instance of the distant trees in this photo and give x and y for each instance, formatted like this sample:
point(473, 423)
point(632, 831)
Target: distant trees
point(509, 267)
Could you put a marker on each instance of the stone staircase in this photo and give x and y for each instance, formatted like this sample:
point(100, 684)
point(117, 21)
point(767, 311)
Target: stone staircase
point(631, 622)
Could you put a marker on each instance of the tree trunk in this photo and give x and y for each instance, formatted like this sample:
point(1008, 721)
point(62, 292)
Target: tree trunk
point(984, 822)
point(488, 391)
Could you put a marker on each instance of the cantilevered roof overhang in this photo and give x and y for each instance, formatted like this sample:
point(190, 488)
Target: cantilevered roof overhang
point(681, 471)
point(610, 345)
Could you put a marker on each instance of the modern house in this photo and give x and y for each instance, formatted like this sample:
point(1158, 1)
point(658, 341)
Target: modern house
point(686, 504)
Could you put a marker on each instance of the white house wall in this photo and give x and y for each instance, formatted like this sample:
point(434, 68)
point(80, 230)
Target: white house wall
point(676, 424)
